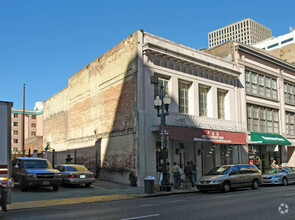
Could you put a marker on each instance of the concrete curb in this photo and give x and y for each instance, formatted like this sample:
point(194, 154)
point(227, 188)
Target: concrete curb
point(92, 199)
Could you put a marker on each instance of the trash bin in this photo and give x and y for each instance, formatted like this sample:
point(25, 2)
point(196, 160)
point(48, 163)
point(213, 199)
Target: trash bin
point(149, 184)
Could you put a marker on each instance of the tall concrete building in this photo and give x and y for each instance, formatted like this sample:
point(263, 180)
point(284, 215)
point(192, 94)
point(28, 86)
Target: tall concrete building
point(246, 31)
point(275, 43)
point(33, 130)
point(282, 46)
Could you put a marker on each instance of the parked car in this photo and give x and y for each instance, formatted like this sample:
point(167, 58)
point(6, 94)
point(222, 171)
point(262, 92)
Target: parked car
point(29, 171)
point(76, 174)
point(227, 177)
point(280, 176)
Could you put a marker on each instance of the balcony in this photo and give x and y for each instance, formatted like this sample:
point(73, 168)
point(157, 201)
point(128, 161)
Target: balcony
point(193, 121)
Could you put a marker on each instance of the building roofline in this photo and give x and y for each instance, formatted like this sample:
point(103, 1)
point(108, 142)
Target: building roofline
point(260, 53)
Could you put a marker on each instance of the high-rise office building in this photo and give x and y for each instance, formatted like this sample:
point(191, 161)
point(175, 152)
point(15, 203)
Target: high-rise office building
point(246, 31)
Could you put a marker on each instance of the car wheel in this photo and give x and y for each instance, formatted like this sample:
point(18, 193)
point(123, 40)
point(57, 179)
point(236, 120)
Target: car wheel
point(226, 186)
point(87, 184)
point(255, 184)
point(55, 187)
point(23, 185)
point(285, 181)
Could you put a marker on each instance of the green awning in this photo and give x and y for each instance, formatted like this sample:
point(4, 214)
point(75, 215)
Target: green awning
point(273, 139)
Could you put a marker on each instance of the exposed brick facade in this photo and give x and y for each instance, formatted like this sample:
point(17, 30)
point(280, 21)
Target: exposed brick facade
point(98, 104)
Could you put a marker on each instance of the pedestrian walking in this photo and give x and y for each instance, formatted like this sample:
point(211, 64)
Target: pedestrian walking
point(194, 171)
point(176, 175)
point(188, 174)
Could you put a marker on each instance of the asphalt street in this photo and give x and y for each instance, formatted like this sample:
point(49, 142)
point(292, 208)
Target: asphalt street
point(275, 202)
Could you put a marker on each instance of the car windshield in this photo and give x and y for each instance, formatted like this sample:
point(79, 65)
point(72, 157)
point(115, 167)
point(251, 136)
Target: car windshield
point(221, 170)
point(36, 164)
point(77, 168)
point(276, 170)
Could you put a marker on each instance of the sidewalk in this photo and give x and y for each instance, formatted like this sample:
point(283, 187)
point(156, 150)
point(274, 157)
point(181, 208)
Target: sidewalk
point(106, 191)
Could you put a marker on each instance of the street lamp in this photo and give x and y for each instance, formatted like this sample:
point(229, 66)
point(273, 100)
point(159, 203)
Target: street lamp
point(162, 105)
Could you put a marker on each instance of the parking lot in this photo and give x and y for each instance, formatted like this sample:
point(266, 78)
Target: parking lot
point(99, 188)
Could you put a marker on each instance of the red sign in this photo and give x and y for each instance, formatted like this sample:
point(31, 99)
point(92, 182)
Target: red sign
point(221, 137)
point(200, 135)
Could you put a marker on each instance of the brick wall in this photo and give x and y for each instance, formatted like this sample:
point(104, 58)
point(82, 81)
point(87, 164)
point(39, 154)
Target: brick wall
point(98, 104)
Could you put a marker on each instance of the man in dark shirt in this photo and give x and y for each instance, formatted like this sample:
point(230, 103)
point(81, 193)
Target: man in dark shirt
point(188, 175)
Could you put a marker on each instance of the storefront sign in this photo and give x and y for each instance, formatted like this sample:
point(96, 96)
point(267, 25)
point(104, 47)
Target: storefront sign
point(221, 137)
point(272, 139)
point(213, 136)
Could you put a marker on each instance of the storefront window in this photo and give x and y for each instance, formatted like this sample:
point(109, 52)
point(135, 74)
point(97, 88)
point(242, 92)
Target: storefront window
point(262, 156)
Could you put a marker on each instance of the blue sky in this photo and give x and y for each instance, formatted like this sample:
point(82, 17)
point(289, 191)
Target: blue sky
point(44, 42)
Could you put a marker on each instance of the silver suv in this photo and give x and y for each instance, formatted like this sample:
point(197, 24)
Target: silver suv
point(227, 177)
point(29, 171)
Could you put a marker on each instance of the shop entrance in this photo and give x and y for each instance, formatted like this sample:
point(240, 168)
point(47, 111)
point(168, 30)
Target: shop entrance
point(262, 156)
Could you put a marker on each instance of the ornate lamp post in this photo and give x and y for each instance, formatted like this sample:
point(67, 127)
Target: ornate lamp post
point(162, 105)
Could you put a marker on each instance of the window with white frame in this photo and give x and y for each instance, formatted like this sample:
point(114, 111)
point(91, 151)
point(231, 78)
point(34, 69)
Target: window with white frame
point(203, 100)
point(262, 119)
point(162, 81)
point(183, 88)
point(221, 94)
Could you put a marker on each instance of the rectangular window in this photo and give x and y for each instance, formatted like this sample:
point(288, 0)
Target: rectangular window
point(267, 87)
point(249, 118)
point(286, 41)
point(261, 85)
point(255, 119)
point(15, 141)
point(269, 120)
point(254, 83)
point(261, 119)
point(273, 45)
point(157, 88)
point(274, 88)
point(15, 115)
point(33, 116)
point(15, 124)
point(33, 125)
point(203, 99)
point(183, 88)
point(221, 103)
point(15, 132)
point(33, 133)
point(289, 91)
point(248, 82)
point(290, 123)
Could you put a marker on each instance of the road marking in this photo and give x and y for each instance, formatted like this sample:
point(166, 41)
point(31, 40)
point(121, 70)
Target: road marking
point(180, 200)
point(138, 217)
point(98, 187)
point(148, 205)
point(292, 194)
